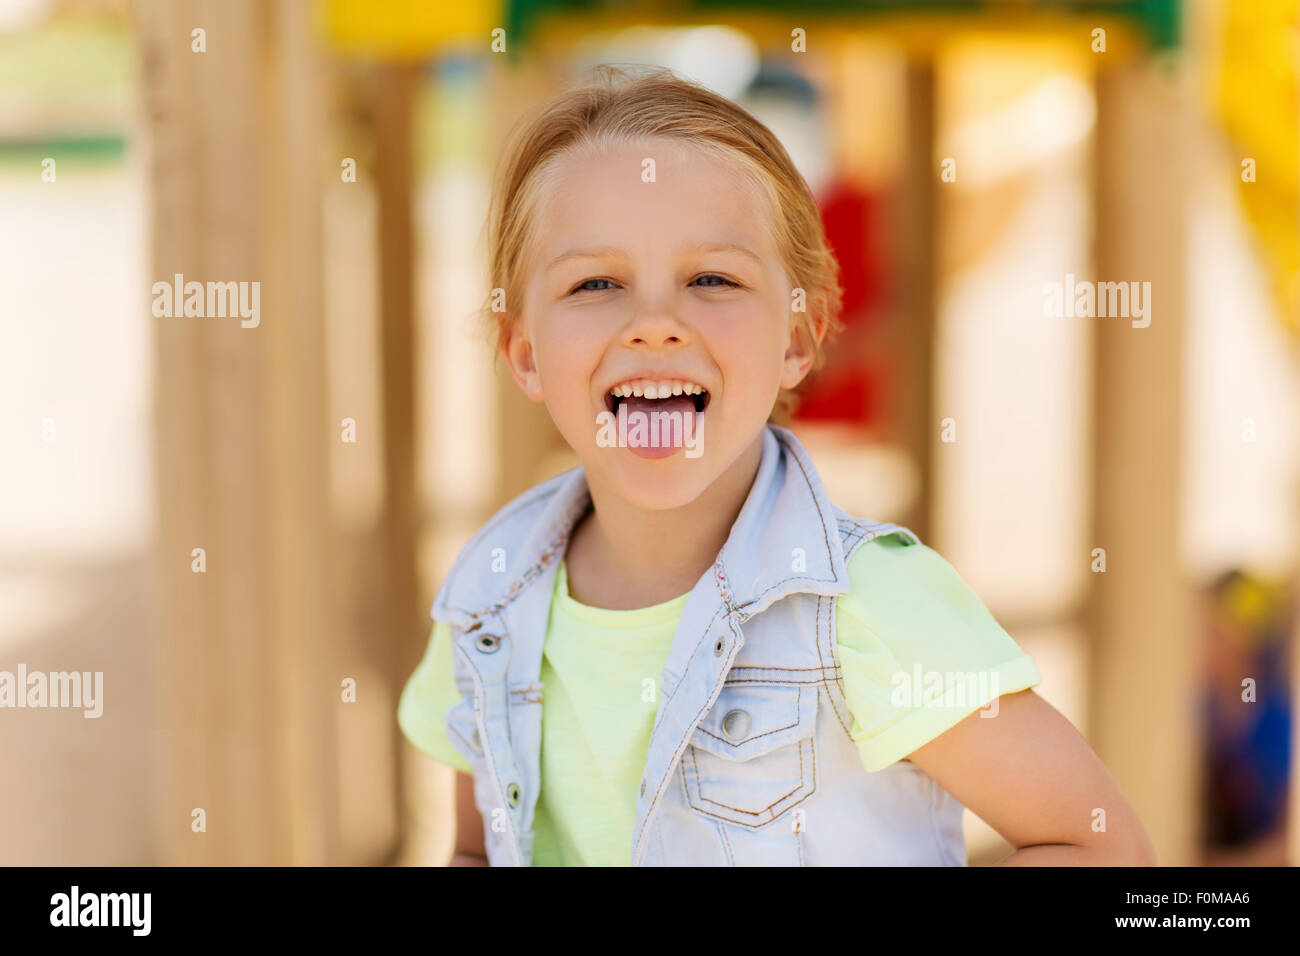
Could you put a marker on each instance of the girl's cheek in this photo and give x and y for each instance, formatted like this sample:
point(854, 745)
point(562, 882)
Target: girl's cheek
point(722, 319)
point(745, 325)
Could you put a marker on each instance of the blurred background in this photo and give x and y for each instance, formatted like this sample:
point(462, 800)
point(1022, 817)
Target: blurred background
point(243, 528)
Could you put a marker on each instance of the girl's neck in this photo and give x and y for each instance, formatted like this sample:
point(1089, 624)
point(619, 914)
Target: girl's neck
point(624, 557)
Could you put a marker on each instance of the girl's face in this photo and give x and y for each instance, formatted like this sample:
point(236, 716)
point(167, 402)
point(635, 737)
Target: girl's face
point(634, 285)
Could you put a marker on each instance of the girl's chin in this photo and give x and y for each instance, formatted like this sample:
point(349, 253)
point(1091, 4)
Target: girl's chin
point(661, 484)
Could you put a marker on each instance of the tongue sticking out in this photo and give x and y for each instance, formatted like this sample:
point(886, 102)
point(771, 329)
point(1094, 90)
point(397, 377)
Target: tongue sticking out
point(657, 427)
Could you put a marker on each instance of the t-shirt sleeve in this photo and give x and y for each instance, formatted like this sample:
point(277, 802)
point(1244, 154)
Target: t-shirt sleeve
point(429, 693)
point(918, 650)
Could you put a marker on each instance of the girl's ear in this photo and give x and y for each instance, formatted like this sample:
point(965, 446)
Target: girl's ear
point(801, 352)
point(518, 352)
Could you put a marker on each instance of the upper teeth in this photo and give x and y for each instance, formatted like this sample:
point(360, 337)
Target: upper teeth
point(645, 388)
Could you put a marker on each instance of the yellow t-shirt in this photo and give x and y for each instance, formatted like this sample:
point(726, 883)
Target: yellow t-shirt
point(908, 609)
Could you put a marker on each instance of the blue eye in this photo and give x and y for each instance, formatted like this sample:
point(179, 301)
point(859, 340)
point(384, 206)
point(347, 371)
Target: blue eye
point(593, 285)
point(713, 285)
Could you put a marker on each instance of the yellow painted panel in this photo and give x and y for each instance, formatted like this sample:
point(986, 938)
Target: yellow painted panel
point(1258, 76)
point(402, 29)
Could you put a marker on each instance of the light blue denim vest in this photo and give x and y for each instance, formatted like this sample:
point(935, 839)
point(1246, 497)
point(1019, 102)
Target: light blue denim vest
point(750, 762)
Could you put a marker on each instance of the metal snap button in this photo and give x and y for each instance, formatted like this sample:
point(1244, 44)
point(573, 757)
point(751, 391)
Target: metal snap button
point(736, 724)
point(487, 643)
point(512, 794)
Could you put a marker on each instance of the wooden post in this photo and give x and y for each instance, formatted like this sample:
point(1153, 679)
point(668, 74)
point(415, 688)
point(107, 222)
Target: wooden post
point(526, 434)
point(1144, 722)
point(248, 692)
point(914, 312)
point(408, 623)
point(305, 623)
point(394, 92)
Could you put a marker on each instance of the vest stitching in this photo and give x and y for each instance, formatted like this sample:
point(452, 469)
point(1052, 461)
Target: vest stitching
point(511, 836)
point(678, 683)
point(677, 756)
point(757, 597)
point(798, 702)
point(821, 655)
point(798, 836)
point(852, 534)
point(721, 578)
point(807, 481)
point(812, 788)
point(834, 693)
point(740, 682)
point(726, 844)
point(825, 536)
point(934, 817)
point(557, 543)
point(541, 492)
point(722, 832)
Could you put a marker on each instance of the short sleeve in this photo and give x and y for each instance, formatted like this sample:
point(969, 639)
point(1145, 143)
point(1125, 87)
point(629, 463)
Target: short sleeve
point(429, 693)
point(918, 650)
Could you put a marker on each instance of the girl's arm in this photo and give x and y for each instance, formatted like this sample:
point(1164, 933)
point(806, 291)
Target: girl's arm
point(469, 848)
point(1031, 776)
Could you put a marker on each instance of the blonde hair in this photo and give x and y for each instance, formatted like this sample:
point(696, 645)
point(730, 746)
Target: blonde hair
point(619, 106)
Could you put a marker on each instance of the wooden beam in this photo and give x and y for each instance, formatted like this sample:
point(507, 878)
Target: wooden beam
point(1144, 722)
point(211, 442)
point(248, 688)
point(526, 434)
point(408, 625)
point(304, 622)
point(914, 314)
point(392, 108)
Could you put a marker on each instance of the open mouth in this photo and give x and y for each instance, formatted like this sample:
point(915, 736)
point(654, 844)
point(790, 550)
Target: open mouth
point(646, 394)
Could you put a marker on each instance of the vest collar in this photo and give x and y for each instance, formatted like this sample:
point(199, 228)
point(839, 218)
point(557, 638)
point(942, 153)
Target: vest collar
point(783, 541)
point(786, 538)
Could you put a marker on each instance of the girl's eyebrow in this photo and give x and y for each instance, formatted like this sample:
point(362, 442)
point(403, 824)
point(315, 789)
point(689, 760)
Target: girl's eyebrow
point(723, 247)
point(614, 252)
point(603, 252)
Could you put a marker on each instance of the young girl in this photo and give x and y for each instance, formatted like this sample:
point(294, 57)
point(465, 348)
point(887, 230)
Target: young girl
point(732, 670)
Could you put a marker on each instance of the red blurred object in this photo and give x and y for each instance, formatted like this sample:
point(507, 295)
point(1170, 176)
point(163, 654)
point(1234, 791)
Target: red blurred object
point(851, 386)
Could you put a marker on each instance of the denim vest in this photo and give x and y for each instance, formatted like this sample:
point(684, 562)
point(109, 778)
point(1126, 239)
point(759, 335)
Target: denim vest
point(750, 761)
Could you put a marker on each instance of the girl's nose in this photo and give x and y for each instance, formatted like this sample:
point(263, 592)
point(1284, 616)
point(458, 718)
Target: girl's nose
point(657, 327)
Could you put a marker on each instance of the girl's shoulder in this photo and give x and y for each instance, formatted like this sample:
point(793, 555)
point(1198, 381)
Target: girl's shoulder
point(900, 560)
point(904, 593)
point(911, 621)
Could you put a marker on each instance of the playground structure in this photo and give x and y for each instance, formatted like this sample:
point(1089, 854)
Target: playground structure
point(323, 554)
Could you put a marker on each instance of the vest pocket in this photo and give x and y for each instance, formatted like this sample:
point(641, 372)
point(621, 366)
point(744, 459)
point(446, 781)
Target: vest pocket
point(752, 756)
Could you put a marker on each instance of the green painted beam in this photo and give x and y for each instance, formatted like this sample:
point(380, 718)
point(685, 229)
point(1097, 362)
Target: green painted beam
point(1160, 20)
